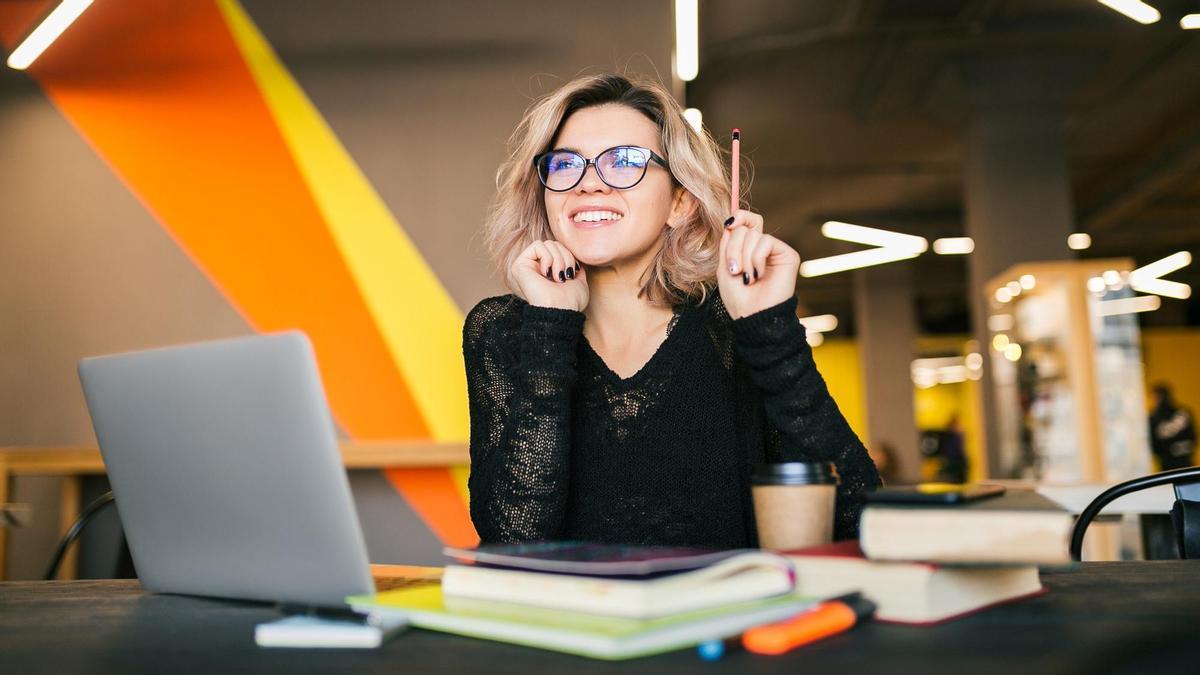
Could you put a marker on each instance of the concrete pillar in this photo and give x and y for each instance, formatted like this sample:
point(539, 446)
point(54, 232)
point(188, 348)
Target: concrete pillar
point(1017, 195)
point(885, 320)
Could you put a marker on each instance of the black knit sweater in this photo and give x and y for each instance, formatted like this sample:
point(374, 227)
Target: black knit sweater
point(563, 448)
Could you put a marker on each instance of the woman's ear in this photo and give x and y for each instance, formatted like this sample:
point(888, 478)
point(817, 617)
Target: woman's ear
point(683, 207)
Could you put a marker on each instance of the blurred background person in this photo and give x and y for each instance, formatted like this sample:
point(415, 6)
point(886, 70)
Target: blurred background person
point(1172, 430)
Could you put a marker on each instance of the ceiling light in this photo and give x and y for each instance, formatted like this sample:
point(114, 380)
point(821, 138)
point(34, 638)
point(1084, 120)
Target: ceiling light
point(1141, 303)
point(1190, 22)
point(687, 39)
point(1000, 342)
point(1134, 9)
point(1000, 322)
point(873, 236)
point(695, 118)
point(851, 261)
point(1167, 289)
point(1145, 279)
point(1027, 281)
point(821, 323)
point(1014, 288)
point(1096, 285)
point(1112, 278)
point(47, 32)
point(1079, 241)
point(953, 245)
point(973, 361)
point(1012, 352)
point(1003, 295)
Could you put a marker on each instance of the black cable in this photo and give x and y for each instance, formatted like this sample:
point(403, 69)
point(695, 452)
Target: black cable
point(1120, 490)
point(73, 533)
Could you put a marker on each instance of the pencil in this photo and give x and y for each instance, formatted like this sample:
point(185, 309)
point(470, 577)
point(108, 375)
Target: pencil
point(736, 151)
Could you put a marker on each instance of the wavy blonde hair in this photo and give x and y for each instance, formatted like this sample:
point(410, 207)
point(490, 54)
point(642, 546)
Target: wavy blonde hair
point(685, 266)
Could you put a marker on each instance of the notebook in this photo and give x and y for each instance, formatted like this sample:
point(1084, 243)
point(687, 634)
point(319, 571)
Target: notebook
point(601, 637)
point(748, 576)
point(576, 557)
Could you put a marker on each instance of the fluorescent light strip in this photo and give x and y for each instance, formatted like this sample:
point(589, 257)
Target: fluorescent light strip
point(687, 39)
point(821, 323)
point(872, 236)
point(695, 118)
point(953, 245)
point(1167, 289)
point(815, 339)
point(1163, 267)
point(46, 33)
point(1190, 22)
point(851, 261)
point(1134, 9)
point(1141, 303)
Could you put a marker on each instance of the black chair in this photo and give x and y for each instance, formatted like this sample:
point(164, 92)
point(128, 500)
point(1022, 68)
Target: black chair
point(1185, 513)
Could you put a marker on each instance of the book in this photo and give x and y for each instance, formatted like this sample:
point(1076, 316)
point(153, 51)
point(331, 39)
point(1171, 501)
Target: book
point(747, 576)
point(1019, 527)
point(591, 635)
point(910, 592)
point(327, 632)
point(576, 557)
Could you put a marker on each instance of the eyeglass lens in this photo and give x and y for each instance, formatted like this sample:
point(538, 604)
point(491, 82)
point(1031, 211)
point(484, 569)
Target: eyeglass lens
point(619, 167)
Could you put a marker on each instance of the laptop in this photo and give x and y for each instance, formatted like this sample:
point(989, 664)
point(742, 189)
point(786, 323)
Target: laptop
point(226, 471)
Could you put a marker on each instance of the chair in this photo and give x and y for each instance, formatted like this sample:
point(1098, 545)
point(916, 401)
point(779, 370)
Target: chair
point(1185, 513)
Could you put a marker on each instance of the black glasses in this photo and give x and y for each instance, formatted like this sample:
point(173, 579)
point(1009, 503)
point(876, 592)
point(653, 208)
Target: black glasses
point(620, 168)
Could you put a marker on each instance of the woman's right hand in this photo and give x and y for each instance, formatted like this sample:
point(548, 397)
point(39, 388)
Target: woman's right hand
point(547, 275)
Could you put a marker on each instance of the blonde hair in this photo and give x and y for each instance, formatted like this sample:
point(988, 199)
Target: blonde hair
point(685, 265)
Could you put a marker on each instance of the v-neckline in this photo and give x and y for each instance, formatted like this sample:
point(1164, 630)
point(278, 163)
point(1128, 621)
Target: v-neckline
point(673, 331)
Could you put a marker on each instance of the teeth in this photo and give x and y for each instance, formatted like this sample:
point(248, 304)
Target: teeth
point(596, 216)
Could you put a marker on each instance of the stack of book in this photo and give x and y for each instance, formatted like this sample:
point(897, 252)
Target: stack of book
point(930, 563)
point(601, 601)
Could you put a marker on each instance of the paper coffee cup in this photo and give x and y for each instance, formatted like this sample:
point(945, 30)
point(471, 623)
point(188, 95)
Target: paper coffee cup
point(793, 504)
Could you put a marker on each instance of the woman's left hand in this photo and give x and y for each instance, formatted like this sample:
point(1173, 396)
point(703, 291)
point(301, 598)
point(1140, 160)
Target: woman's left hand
point(756, 271)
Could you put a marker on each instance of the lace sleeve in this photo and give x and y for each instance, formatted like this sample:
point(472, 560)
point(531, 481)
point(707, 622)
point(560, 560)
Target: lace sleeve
point(807, 424)
point(520, 363)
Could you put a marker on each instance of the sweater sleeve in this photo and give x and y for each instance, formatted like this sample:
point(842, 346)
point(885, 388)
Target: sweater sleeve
point(520, 362)
point(805, 422)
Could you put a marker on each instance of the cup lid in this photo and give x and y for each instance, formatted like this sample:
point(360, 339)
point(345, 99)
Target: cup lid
point(794, 473)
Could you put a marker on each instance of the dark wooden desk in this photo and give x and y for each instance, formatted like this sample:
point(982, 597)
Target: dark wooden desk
point(1102, 618)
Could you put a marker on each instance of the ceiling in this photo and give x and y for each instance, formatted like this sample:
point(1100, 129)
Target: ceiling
point(855, 110)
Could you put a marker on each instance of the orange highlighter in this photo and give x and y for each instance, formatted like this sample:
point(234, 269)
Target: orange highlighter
point(831, 617)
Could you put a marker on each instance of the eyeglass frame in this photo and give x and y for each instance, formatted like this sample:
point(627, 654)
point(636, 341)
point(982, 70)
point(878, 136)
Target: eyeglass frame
point(654, 157)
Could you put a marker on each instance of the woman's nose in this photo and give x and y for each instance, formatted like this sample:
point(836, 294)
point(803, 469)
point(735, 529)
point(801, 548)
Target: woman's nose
point(591, 181)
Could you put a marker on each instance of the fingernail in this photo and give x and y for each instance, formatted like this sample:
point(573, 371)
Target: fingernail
point(729, 222)
point(550, 275)
point(733, 268)
point(570, 272)
point(562, 276)
point(756, 274)
point(576, 265)
point(746, 279)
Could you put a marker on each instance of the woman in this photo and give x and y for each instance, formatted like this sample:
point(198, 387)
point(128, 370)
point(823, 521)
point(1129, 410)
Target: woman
point(618, 396)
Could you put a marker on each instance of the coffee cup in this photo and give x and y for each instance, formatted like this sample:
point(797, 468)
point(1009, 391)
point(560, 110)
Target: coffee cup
point(794, 504)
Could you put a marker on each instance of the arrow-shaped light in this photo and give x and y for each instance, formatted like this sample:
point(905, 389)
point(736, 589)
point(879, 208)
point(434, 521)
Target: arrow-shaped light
point(1146, 279)
point(891, 247)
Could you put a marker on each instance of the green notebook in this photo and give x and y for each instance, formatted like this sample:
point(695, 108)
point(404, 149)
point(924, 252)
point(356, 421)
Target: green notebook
point(595, 636)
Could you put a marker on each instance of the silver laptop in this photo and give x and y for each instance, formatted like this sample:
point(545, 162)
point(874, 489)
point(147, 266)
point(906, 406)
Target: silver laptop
point(225, 467)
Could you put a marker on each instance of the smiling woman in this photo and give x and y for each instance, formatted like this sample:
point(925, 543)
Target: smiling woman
point(615, 397)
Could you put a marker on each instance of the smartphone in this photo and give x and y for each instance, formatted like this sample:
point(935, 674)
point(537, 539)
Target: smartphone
point(934, 493)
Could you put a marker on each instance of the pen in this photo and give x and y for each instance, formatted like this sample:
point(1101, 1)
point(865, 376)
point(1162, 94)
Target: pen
point(736, 151)
point(828, 618)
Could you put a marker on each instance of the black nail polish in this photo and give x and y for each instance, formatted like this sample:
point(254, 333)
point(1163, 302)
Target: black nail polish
point(576, 265)
point(550, 275)
point(570, 272)
point(562, 276)
point(729, 222)
point(746, 279)
point(756, 274)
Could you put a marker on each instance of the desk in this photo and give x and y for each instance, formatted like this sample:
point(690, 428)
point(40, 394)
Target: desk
point(1131, 617)
point(76, 462)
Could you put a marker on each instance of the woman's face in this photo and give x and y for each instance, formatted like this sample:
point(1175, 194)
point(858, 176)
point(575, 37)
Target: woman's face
point(634, 220)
